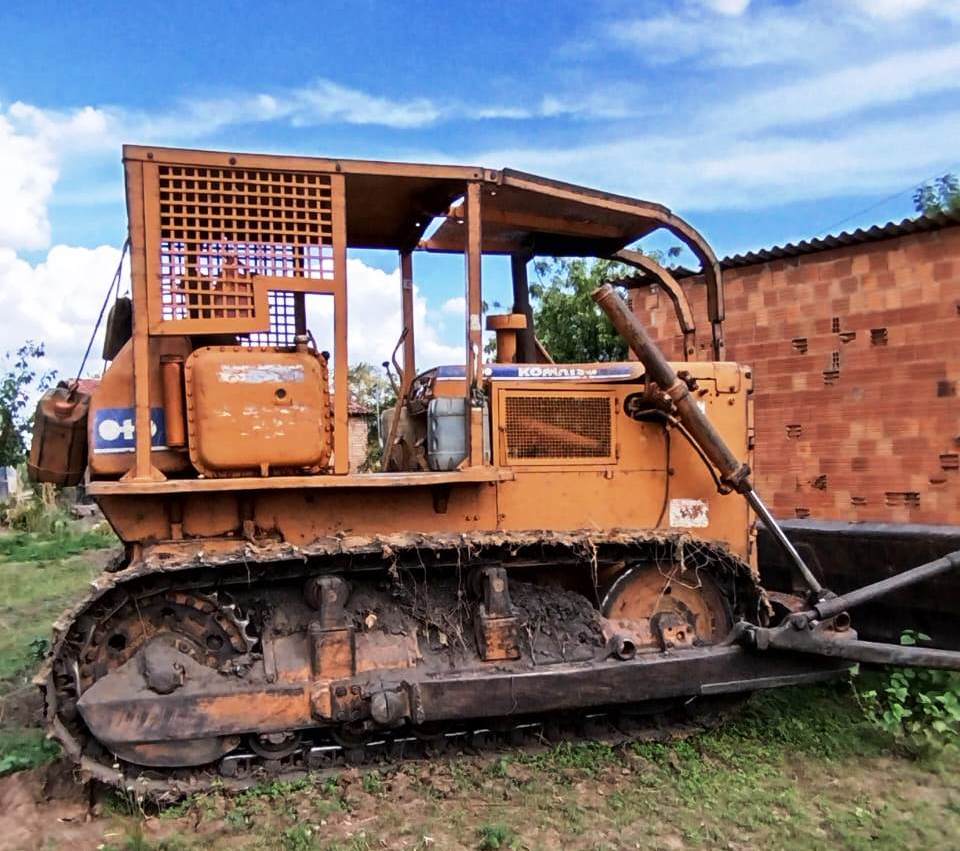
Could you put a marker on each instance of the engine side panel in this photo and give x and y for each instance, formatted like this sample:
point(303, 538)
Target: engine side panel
point(634, 481)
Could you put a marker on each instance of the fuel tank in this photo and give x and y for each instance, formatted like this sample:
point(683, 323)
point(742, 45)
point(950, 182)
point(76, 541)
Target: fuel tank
point(58, 452)
point(257, 411)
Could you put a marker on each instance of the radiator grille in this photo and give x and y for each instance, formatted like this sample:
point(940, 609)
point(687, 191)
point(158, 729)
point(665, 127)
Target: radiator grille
point(220, 226)
point(561, 426)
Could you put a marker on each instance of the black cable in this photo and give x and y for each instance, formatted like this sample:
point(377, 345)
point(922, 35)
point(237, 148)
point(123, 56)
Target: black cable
point(114, 283)
point(666, 485)
point(882, 201)
point(669, 420)
point(689, 438)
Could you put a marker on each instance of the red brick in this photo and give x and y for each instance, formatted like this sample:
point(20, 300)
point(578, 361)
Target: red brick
point(942, 271)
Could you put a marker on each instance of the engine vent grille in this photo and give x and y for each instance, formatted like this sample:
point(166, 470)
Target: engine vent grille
point(220, 226)
point(562, 426)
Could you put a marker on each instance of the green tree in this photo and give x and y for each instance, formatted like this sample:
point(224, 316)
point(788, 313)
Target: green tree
point(568, 322)
point(938, 196)
point(370, 388)
point(20, 382)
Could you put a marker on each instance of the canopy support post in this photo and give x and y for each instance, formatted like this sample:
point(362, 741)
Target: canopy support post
point(406, 305)
point(474, 333)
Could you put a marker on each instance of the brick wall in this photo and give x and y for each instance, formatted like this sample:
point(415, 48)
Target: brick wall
point(359, 429)
point(856, 361)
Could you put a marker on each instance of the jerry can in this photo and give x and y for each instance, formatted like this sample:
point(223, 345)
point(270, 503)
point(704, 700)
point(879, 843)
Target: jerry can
point(58, 452)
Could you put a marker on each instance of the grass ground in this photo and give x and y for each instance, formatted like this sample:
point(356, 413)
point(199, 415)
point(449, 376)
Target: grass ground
point(40, 575)
point(798, 768)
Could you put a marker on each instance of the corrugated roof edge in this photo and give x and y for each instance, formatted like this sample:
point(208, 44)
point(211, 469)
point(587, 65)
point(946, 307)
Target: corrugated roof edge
point(877, 233)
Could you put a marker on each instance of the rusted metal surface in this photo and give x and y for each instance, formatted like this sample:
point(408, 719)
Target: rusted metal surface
point(509, 328)
point(171, 367)
point(400, 413)
point(139, 717)
point(495, 622)
point(213, 695)
point(526, 339)
point(838, 553)
point(687, 606)
point(733, 474)
point(256, 410)
point(212, 699)
point(731, 470)
point(58, 453)
point(203, 265)
point(824, 629)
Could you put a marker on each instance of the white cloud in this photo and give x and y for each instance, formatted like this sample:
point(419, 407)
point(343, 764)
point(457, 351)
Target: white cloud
point(720, 170)
point(770, 35)
point(37, 143)
point(888, 80)
point(727, 7)
point(374, 319)
point(325, 102)
point(56, 302)
point(33, 145)
point(894, 10)
point(321, 102)
point(27, 175)
point(806, 33)
point(64, 131)
point(456, 306)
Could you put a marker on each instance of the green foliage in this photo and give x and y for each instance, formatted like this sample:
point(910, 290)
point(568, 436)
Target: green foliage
point(493, 836)
point(937, 196)
point(22, 749)
point(588, 757)
point(299, 837)
point(19, 382)
point(63, 540)
point(568, 322)
point(31, 514)
point(134, 840)
point(919, 707)
point(372, 783)
point(370, 388)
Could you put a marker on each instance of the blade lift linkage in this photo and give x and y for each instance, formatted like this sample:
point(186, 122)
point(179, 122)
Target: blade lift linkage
point(823, 628)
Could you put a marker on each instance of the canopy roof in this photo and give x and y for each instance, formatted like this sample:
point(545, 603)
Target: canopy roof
point(391, 205)
point(526, 214)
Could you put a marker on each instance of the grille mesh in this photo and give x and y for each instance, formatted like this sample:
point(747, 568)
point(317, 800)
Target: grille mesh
point(220, 226)
point(558, 427)
point(283, 322)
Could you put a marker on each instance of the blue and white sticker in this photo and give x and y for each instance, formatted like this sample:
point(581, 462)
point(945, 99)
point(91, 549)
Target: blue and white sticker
point(546, 372)
point(115, 429)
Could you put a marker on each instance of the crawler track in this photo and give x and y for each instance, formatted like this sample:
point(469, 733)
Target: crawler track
point(240, 570)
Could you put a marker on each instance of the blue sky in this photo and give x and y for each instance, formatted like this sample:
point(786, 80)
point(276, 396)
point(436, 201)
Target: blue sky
point(760, 122)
